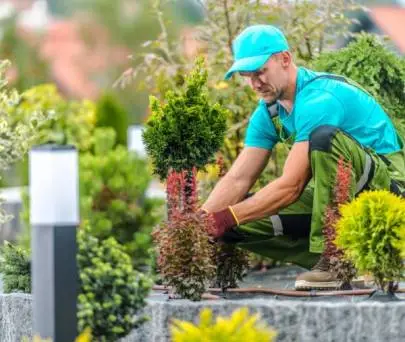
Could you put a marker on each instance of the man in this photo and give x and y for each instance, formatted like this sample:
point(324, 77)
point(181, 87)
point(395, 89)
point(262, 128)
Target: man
point(326, 117)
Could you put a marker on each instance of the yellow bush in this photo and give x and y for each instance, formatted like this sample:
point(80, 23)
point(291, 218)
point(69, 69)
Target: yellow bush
point(371, 233)
point(240, 327)
point(85, 336)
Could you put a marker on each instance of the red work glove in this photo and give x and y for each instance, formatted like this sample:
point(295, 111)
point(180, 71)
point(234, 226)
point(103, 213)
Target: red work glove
point(223, 221)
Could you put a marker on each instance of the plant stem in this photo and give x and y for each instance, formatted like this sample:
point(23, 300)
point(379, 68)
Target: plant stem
point(228, 24)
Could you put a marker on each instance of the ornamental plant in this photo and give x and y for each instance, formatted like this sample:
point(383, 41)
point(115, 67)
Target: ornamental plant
point(15, 268)
point(113, 184)
point(240, 327)
point(231, 261)
point(187, 130)
point(338, 264)
point(110, 113)
point(184, 248)
point(16, 137)
point(112, 291)
point(85, 336)
point(370, 232)
point(72, 122)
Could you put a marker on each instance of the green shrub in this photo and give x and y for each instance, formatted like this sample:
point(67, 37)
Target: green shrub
point(377, 69)
point(112, 292)
point(73, 122)
point(110, 113)
point(113, 183)
point(370, 232)
point(240, 327)
point(187, 130)
point(15, 269)
point(16, 136)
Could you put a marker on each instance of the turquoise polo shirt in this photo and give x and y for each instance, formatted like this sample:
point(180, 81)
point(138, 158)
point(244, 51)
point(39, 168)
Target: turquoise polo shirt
point(325, 102)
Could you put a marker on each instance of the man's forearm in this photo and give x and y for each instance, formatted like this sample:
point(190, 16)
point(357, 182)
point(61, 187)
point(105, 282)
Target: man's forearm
point(268, 201)
point(228, 191)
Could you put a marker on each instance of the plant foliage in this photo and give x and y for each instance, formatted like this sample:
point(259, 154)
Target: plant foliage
point(110, 113)
point(370, 232)
point(15, 269)
point(113, 184)
point(339, 265)
point(185, 250)
point(112, 292)
point(240, 327)
point(16, 137)
point(187, 130)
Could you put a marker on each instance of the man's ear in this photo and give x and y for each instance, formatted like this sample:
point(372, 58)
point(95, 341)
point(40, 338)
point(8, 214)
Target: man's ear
point(286, 58)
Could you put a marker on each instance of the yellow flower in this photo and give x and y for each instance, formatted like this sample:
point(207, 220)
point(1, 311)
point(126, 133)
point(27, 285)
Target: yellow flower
point(85, 336)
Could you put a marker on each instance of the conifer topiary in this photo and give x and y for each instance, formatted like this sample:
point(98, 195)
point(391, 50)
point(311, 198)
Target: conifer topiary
point(186, 131)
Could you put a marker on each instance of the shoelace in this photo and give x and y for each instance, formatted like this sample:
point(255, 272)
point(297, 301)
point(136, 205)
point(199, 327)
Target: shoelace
point(321, 265)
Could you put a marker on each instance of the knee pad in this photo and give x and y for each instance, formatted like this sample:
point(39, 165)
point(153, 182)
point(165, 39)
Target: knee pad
point(321, 137)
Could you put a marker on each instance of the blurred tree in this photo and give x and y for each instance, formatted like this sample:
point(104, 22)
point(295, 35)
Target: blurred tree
point(129, 23)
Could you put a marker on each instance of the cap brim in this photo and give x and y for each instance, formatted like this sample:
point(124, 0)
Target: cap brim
point(247, 65)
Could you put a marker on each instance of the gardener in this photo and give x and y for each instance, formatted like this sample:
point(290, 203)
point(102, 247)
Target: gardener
point(325, 117)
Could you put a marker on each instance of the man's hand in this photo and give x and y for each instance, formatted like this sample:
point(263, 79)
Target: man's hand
point(222, 221)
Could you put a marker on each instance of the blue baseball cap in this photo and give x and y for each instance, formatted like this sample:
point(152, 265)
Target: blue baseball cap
point(254, 46)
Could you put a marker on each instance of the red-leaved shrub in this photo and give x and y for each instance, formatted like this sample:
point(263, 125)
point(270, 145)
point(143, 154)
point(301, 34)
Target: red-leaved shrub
point(185, 249)
point(338, 264)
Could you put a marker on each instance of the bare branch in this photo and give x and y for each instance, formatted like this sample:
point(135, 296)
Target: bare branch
point(228, 24)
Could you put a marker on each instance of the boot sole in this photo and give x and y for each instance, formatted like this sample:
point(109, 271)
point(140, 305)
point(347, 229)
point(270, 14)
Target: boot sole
point(322, 285)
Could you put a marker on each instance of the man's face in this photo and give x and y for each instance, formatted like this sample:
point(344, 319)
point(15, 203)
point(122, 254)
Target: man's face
point(270, 81)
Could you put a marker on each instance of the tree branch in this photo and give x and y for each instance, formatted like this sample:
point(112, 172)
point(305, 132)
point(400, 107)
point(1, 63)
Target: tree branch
point(228, 24)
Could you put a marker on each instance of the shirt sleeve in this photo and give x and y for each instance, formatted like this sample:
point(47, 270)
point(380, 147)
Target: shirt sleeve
point(314, 109)
point(261, 131)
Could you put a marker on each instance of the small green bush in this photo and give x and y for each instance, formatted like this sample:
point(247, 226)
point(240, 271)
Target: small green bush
point(112, 292)
point(113, 184)
point(240, 327)
point(73, 122)
point(370, 232)
point(186, 131)
point(15, 269)
point(109, 113)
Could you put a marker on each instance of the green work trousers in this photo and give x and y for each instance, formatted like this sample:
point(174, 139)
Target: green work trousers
point(295, 234)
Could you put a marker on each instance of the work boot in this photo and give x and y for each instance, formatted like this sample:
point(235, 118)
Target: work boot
point(319, 278)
